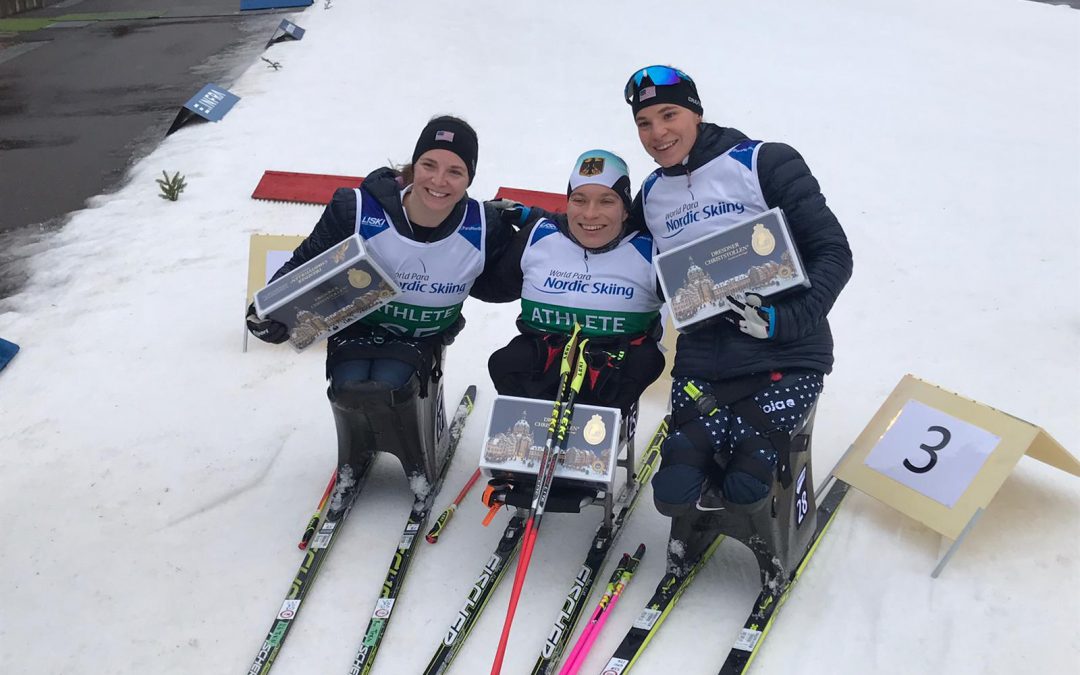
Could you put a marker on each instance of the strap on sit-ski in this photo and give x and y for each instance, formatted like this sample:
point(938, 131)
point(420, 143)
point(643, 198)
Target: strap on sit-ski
point(738, 394)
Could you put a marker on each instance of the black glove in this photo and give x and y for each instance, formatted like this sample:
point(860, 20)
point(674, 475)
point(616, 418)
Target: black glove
point(266, 330)
point(446, 338)
point(511, 212)
point(603, 371)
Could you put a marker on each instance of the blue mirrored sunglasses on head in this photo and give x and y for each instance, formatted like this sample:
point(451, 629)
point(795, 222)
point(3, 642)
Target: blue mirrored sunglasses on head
point(658, 75)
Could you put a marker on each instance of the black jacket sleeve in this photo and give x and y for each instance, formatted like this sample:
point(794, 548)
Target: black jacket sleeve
point(338, 223)
point(537, 213)
point(786, 182)
point(496, 282)
point(636, 221)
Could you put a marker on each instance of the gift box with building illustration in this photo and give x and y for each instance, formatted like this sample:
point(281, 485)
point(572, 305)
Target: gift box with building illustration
point(756, 255)
point(327, 293)
point(518, 429)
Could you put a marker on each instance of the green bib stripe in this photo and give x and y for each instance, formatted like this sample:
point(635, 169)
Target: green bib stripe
point(414, 320)
point(593, 322)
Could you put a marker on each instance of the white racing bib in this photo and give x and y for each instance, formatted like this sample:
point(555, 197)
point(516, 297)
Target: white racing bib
point(609, 293)
point(723, 192)
point(435, 277)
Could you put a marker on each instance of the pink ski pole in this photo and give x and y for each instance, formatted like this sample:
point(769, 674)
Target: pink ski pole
point(619, 579)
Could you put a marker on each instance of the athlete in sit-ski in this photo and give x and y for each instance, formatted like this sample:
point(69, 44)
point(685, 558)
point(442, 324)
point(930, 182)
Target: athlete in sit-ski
point(421, 227)
point(773, 353)
point(584, 266)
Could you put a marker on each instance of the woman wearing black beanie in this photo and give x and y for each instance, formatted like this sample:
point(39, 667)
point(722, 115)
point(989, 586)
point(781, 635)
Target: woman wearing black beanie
point(420, 225)
point(711, 178)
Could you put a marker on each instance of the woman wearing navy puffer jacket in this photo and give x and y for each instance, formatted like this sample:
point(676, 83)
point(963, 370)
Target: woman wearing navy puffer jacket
point(770, 358)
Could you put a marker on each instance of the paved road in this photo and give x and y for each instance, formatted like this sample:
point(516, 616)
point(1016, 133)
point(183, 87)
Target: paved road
point(82, 100)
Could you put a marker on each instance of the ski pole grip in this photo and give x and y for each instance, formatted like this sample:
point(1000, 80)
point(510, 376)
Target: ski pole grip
point(440, 522)
point(309, 532)
point(568, 350)
point(581, 367)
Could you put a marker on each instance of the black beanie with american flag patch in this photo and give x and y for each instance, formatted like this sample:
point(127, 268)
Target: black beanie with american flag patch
point(453, 134)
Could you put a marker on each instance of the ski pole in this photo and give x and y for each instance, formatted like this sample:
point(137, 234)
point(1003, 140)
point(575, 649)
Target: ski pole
point(568, 667)
point(309, 531)
point(621, 577)
point(557, 435)
point(448, 512)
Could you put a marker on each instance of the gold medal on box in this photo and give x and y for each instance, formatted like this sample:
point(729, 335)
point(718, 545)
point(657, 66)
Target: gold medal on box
point(595, 431)
point(762, 240)
point(359, 278)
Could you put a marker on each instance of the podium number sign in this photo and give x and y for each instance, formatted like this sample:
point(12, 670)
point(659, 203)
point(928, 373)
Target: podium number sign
point(940, 458)
point(932, 452)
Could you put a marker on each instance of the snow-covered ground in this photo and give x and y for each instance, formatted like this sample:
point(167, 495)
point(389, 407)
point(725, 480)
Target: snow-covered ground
point(154, 479)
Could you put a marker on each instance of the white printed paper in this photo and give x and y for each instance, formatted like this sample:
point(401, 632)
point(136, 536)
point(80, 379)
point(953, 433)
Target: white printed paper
point(615, 667)
point(647, 619)
point(932, 452)
point(748, 639)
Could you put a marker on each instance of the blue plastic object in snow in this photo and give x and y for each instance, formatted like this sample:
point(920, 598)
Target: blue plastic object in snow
point(8, 350)
point(272, 4)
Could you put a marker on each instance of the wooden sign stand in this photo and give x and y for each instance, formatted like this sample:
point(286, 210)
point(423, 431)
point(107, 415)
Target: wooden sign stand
point(940, 458)
point(266, 254)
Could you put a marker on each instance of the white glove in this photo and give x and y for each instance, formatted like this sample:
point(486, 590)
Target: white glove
point(755, 320)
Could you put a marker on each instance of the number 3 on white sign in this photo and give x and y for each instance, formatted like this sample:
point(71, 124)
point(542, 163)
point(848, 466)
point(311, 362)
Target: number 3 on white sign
point(931, 450)
point(954, 452)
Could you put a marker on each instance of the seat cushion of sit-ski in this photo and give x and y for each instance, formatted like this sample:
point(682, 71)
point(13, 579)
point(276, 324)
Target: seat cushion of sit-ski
point(367, 394)
point(354, 394)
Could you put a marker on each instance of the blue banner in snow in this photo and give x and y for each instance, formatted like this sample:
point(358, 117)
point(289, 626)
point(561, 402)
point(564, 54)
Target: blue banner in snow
point(8, 350)
point(212, 102)
point(272, 4)
point(286, 31)
point(291, 29)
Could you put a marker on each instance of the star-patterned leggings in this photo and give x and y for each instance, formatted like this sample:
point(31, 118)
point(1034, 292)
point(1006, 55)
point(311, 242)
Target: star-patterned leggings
point(678, 484)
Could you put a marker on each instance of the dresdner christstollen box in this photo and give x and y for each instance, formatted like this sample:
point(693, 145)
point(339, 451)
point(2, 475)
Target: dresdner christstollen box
point(756, 255)
point(517, 431)
point(327, 293)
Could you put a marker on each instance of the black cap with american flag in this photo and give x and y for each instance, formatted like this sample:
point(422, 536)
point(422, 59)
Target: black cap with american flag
point(449, 133)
